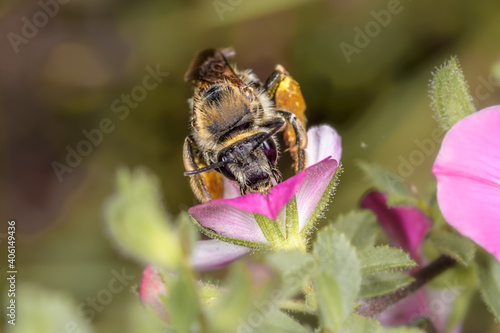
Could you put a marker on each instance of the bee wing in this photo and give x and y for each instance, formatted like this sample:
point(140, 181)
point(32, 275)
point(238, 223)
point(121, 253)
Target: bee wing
point(211, 66)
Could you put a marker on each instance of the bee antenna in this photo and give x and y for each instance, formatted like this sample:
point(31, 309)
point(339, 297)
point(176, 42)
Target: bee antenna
point(267, 136)
point(207, 168)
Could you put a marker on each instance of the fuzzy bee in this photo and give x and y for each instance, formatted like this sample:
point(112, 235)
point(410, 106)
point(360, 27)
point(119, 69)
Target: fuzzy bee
point(235, 120)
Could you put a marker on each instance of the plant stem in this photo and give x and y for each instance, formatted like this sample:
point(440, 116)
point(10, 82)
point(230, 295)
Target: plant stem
point(297, 306)
point(371, 307)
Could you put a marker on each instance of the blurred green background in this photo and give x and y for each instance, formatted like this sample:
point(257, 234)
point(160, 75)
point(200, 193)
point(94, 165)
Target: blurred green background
point(61, 79)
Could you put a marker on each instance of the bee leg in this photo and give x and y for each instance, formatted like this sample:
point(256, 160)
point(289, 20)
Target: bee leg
point(286, 94)
point(243, 190)
point(295, 137)
point(207, 185)
point(277, 176)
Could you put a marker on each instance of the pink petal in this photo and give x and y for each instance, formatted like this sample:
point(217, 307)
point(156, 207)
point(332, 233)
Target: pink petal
point(434, 304)
point(228, 220)
point(316, 181)
point(152, 285)
point(213, 253)
point(230, 190)
point(406, 310)
point(405, 226)
point(322, 142)
point(467, 170)
point(268, 205)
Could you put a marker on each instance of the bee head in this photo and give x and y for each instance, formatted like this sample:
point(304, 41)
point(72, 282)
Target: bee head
point(252, 163)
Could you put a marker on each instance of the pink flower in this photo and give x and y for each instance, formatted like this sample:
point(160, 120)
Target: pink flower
point(240, 224)
point(152, 286)
point(467, 170)
point(405, 226)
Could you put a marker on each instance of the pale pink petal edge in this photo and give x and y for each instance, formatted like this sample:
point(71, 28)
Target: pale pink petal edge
point(213, 253)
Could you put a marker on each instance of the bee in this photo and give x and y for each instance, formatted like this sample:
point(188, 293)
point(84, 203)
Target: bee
point(235, 121)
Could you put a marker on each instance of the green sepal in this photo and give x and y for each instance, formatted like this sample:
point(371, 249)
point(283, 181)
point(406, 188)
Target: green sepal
point(292, 220)
point(235, 241)
point(323, 203)
point(450, 95)
point(271, 230)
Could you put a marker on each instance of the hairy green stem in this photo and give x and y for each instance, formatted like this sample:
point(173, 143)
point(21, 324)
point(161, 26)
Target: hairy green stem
point(371, 307)
point(297, 306)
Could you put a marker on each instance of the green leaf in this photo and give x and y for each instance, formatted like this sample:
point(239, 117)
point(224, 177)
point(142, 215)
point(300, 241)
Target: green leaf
point(359, 227)
point(43, 311)
point(293, 266)
point(488, 273)
point(460, 248)
point(383, 258)
point(181, 304)
point(359, 324)
point(459, 310)
point(450, 95)
point(338, 277)
point(188, 233)
point(208, 293)
point(332, 310)
point(276, 322)
point(251, 291)
point(399, 199)
point(234, 300)
point(387, 182)
point(137, 221)
point(382, 283)
point(401, 329)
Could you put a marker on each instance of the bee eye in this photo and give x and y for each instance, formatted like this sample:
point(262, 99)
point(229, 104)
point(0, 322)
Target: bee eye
point(270, 151)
